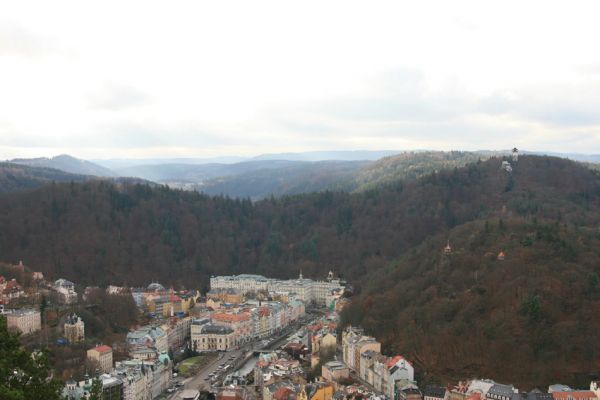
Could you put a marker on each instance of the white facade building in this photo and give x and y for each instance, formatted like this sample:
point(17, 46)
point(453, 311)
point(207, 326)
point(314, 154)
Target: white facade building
point(307, 290)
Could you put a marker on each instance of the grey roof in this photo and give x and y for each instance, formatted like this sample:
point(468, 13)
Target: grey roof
point(435, 391)
point(501, 390)
point(559, 387)
point(537, 394)
point(216, 329)
point(335, 365)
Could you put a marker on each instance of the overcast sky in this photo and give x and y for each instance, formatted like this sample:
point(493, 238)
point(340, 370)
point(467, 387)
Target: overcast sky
point(210, 78)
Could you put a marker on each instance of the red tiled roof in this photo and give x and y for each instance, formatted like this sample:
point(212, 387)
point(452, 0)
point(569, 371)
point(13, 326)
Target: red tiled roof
point(574, 395)
point(283, 393)
point(102, 349)
point(394, 360)
point(263, 312)
point(231, 317)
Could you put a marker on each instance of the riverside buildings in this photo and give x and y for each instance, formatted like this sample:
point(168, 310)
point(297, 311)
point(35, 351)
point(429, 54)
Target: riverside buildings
point(306, 290)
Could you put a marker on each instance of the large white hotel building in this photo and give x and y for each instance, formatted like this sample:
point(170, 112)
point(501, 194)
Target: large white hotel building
point(306, 290)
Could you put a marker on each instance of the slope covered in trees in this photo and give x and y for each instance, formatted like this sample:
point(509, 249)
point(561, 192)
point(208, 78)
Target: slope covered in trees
point(14, 177)
point(66, 163)
point(297, 178)
point(413, 165)
point(528, 318)
point(98, 232)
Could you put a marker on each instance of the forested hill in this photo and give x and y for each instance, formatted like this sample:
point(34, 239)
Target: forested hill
point(457, 315)
point(14, 177)
point(529, 319)
point(98, 232)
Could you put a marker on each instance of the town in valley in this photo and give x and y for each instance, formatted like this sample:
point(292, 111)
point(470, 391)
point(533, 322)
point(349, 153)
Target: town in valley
point(248, 337)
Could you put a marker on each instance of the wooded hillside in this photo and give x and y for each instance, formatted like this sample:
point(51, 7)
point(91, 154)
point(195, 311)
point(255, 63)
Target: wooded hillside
point(456, 315)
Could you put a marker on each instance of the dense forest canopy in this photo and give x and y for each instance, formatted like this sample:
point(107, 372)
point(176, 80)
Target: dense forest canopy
point(99, 232)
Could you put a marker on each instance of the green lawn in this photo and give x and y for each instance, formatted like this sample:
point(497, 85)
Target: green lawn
point(191, 365)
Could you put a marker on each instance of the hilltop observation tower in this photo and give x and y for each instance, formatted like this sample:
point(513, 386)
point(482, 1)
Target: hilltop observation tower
point(515, 154)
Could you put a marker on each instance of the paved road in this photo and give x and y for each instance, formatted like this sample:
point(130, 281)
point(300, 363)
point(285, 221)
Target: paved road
point(199, 381)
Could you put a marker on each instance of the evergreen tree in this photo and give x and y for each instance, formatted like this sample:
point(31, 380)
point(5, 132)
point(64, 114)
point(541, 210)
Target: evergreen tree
point(96, 390)
point(24, 375)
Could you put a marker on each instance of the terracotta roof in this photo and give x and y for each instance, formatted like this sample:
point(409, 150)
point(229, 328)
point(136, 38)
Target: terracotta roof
point(574, 395)
point(264, 311)
point(102, 349)
point(283, 393)
point(394, 360)
point(231, 317)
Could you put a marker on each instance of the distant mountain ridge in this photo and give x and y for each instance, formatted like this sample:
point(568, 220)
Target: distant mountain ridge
point(285, 173)
point(342, 155)
point(291, 179)
point(15, 177)
point(66, 163)
point(197, 173)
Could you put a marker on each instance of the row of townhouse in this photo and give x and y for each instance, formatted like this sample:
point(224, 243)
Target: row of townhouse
point(147, 342)
point(145, 376)
point(128, 380)
point(306, 290)
point(487, 389)
point(354, 343)
point(392, 376)
point(178, 332)
point(162, 302)
point(244, 323)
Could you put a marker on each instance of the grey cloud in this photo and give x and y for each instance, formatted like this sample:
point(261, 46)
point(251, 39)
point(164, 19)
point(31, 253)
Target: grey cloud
point(561, 105)
point(398, 95)
point(126, 134)
point(16, 40)
point(113, 96)
point(398, 106)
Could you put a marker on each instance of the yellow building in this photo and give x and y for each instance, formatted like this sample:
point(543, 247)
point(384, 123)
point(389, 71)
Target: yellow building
point(212, 337)
point(328, 341)
point(24, 321)
point(318, 391)
point(103, 356)
point(74, 329)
